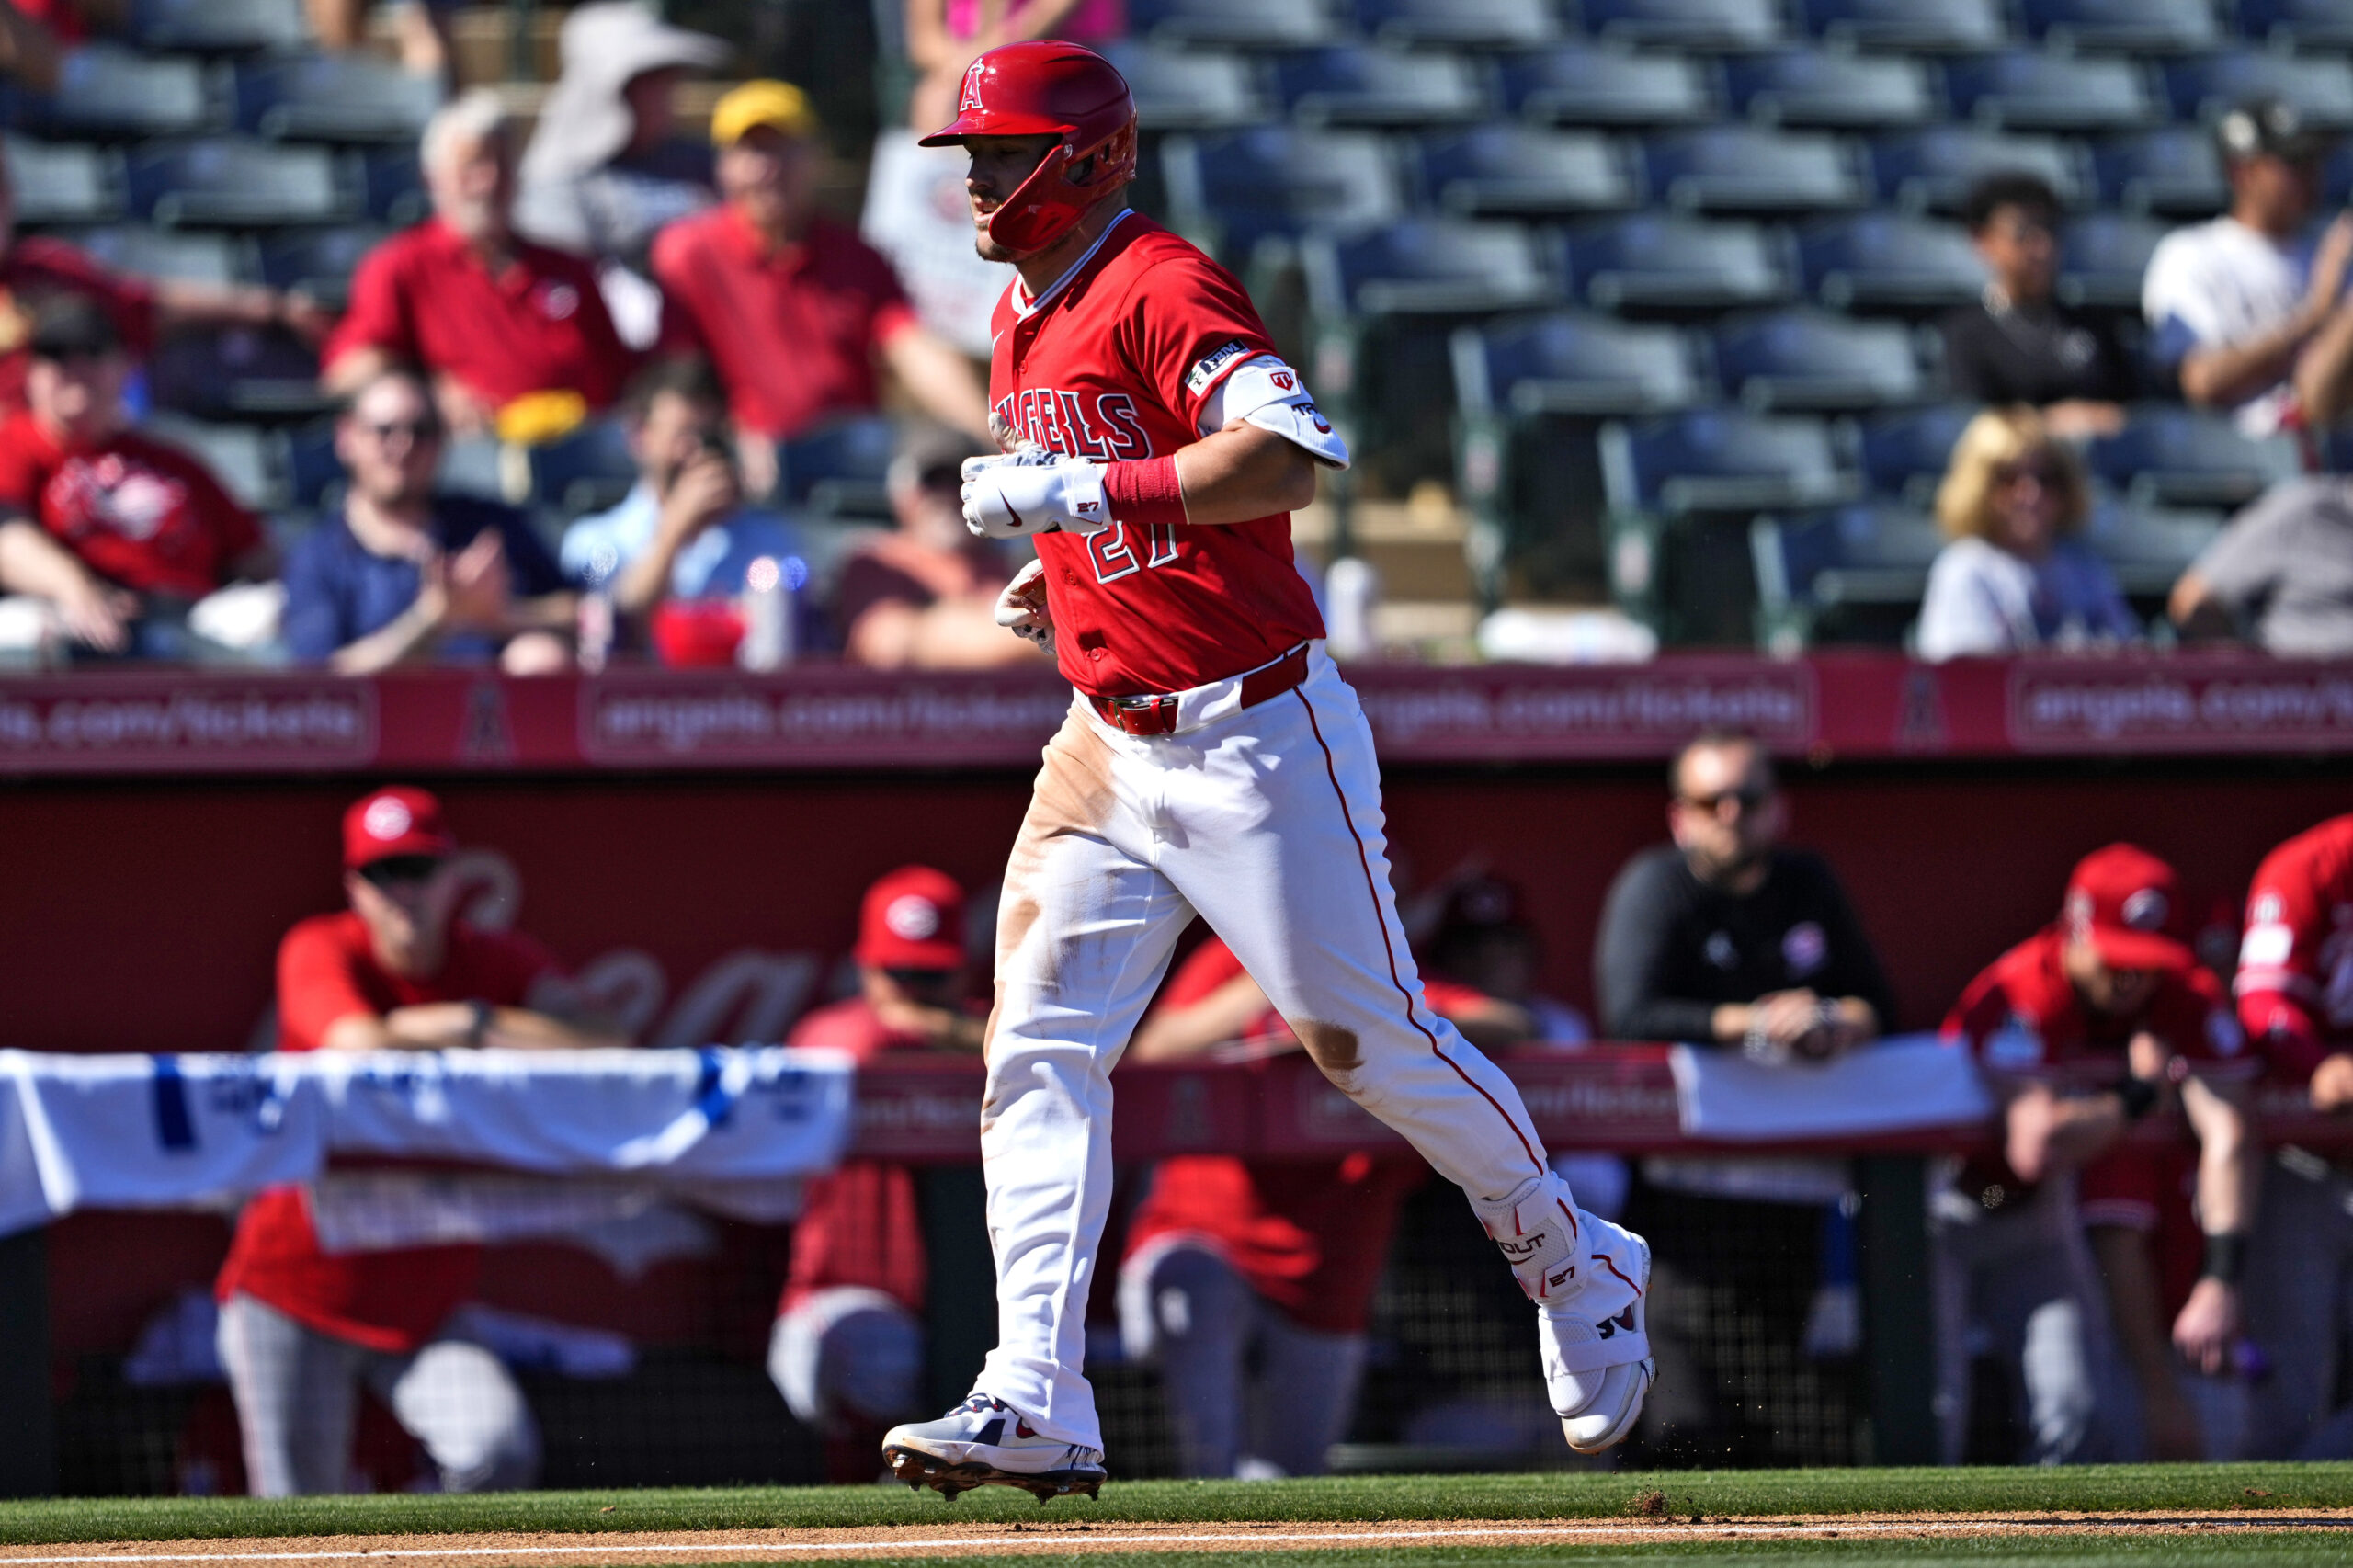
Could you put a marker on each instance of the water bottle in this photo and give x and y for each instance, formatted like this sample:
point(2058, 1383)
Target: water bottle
point(770, 588)
point(1351, 592)
point(595, 630)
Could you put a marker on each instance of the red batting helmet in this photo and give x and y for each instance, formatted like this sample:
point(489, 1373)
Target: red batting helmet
point(1047, 89)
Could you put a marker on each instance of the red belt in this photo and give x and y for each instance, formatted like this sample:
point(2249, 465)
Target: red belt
point(1157, 715)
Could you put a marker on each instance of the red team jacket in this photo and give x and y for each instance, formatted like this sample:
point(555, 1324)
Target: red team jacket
point(2295, 980)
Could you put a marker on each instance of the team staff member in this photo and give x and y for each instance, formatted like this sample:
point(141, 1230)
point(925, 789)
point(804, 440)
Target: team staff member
point(1215, 761)
point(2111, 986)
point(503, 327)
point(848, 1349)
point(301, 1327)
point(2295, 996)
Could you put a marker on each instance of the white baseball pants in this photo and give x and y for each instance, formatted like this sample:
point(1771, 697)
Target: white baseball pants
point(1266, 822)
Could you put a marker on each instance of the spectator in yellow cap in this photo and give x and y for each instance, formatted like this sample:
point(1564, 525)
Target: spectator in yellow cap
point(797, 314)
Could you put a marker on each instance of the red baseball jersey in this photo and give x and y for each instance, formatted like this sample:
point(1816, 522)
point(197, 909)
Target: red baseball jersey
point(2295, 979)
point(1115, 362)
point(137, 512)
point(2022, 1019)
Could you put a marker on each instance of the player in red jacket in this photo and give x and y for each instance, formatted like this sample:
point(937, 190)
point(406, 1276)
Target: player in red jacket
point(1214, 762)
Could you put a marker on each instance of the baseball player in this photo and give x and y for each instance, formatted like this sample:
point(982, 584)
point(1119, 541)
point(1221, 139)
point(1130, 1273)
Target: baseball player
point(1214, 762)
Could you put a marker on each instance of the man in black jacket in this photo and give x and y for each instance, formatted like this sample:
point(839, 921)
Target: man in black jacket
point(1725, 938)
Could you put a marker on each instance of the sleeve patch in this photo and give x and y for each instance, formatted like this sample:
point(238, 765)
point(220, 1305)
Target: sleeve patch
point(1205, 370)
point(2268, 946)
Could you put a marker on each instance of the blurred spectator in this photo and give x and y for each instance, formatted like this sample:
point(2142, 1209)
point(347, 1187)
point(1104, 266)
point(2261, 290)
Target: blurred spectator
point(790, 306)
point(30, 49)
point(401, 574)
point(516, 336)
point(125, 535)
point(2233, 301)
point(945, 35)
point(2015, 578)
point(2017, 344)
point(848, 1349)
point(684, 532)
point(420, 27)
point(1726, 938)
point(1248, 1281)
point(924, 597)
point(301, 1327)
point(605, 170)
point(1484, 939)
point(2110, 984)
point(2281, 576)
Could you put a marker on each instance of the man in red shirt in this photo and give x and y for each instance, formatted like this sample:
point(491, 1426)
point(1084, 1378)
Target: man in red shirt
point(2295, 996)
point(2083, 1030)
point(124, 534)
point(847, 1350)
point(301, 1327)
point(792, 307)
point(516, 336)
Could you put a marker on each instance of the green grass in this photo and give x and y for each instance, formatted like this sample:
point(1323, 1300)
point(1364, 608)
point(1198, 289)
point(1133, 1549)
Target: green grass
point(1715, 1495)
point(2175, 1551)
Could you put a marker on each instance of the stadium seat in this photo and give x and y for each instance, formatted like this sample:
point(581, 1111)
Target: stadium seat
point(163, 252)
point(1236, 190)
point(1239, 24)
point(1508, 168)
point(1426, 266)
point(314, 475)
point(1741, 168)
point(218, 27)
point(2103, 257)
point(318, 262)
point(1935, 167)
point(2203, 89)
point(1853, 575)
point(1662, 261)
point(106, 90)
point(1818, 87)
point(1722, 460)
point(236, 372)
point(394, 185)
point(588, 471)
point(333, 98)
point(1810, 359)
point(1572, 362)
point(1888, 261)
point(2135, 27)
point(1356, 85)
point(1460, 24)
point(249, 462)
point(1184, 90)
point(2297, 24)
point(2028, 90)
point(1904, 456)
point(2175, 170)
point(1916, 26)
point(2148, 547)
point(1578, 85)
point(64, 182)
point(839, 470)
point(1708, 24)
point(2170, 456)
point(231, 182)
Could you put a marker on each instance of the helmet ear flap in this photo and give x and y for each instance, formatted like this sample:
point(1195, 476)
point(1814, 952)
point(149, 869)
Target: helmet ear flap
point(1035, 214)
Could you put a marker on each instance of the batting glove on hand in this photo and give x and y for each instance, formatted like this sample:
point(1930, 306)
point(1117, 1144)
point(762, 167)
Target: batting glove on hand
point(1021, 608)
point(1033, 491)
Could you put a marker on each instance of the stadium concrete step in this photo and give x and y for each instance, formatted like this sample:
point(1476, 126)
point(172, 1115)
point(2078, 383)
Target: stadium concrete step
point(482, 39)
point(1415, 545)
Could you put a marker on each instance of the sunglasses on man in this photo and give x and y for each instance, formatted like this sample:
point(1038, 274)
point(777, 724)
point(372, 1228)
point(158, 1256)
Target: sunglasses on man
point(401, 870)
point(1750, 797)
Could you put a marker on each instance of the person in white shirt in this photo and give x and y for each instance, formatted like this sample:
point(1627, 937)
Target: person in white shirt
point(2013, 577)
point(2232, 304)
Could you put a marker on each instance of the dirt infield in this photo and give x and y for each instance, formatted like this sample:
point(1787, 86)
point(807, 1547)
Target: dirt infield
point(1061, 1532)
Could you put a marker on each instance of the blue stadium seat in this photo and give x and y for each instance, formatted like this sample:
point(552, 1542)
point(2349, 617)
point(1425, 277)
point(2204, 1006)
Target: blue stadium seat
point(1356, 85)
point(393, 185)
point(1821, 87)
point(1810, 359)
point(2148, 547)
point(314, 475)
point(318, 262)
point(1427, 267)
point(235, 372)
point(1663, 261)
point(1888, 261)
point(1936, 166)
point(1852, 574)
point(1460, 24)
point(64, 182)
point(1570, 362)
point(2204, 88)
point(1904, 455)
point(840, 468)
point(333, 98)
point(2175, 170)
point(1722, 461)
point(2028, 90)
point(249, 462)
point(187, 256)
point(1187, 90)
point(2137, 27)
point(1708, 24)
point(106, 90)
point(1578, 85)
point(2103, 257)
point(1741, 168)
point(588, 470)
point(220, 26)
point(1275, 179)
point(1508, 168)
point(1239, 24)
point(2297, 24)
point(2172, 456)
point(1918, 27)
point(233, 182)
point(2337, 175)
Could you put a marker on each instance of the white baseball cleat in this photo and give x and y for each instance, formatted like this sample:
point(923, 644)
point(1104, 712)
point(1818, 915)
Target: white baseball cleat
point(1595, 1340)
point(985, 1442)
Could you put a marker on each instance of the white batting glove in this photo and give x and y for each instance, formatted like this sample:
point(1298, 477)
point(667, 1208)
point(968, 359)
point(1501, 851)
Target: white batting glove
point(1033, 491)
point(1021, 608)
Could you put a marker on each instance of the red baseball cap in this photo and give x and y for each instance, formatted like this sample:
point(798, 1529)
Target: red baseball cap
point(2127, 903)
point(397, 819)
point(911, 918)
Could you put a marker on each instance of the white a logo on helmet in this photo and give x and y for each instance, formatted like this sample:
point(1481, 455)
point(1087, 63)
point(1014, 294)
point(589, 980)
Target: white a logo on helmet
point(969, 99)
point(911, 918)
point(2146, 910)
point(386, 819)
